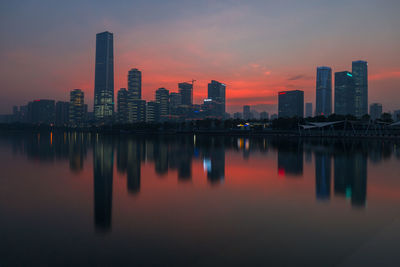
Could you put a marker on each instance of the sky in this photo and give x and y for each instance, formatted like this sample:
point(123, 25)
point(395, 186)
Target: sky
point(255, 47)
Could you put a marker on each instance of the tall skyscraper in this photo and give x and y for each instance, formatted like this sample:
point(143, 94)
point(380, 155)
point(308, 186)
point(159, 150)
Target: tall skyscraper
point(360, 76)
point(153, 112)
point(344, 93)
point(309, 110)
point(122, 101)
point(134, 94)
point(76, 107)
point(186, 91)
point(291, 104)
point(162, 97)
point(216, 92)
point(104, 77)
point(324, 92)
point(137, 112)
point(375, 111)
point(246, 112)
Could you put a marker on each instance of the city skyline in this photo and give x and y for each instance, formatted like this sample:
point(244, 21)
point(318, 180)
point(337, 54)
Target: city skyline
point(254, 64)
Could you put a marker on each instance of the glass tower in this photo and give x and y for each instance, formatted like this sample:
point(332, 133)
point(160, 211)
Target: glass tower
point(344, 93)
point(360, 76)
point(324, 92)
point(104, 77)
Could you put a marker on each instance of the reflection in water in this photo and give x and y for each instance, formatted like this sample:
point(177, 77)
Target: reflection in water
point(103, 180)
point(178, 153)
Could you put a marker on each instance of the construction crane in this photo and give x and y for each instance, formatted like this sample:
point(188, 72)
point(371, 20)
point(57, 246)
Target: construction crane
point(192, 81)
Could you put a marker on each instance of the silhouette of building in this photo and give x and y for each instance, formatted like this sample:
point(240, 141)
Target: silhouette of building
point(344, 93)
point(104, 77)
point(152, 112)
point(246, 112)
point(375, 111)
point(264, 115)
point(186, 92)
point(237, 115)
point(309, 110)
point(291, 104)
point(324, 92)
point(41, 111)
point(360, 77)
point(62, 113)
point(216, 92)
point(76, 107)
point(162, 98)
point(122, 101)
point(175, 100)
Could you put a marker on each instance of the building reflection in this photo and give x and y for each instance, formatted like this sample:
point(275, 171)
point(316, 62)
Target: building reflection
point(290, 157)
point(322, 175)
point(103, 181)
point(133, 168)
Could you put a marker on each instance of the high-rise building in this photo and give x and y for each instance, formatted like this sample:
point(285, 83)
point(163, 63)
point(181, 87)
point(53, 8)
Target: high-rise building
point(375, 111)
point(137, 112)
point(135, 84)
point(344, 93)
point(104, 77)
point(122, 101)
point(153, 112)
point(360, 77)
point(162, 97)
point(309, 110)
point(62, 113)
point(216, 92)
point(41, 111)
point(291, 104)
point(186, 91)
point(324, 92)
point(246, 112)
point(76, 107)
point(175, 100)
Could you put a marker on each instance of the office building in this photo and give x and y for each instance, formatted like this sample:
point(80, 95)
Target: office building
point(375, 111)
point(137, 112)
point(309, 110)
point(41, 111)
point(323, 92)
point(344, 93)
point(246, 112)
point(175, 101)
point(153, 112)
point(135, 84)
point(62, 113)
point(162, 97)
point(122, 109)
point(216, 92)
point(360, 77)
point(291, 104)
point(186, 92)
point(76, 107)
point(104, 77)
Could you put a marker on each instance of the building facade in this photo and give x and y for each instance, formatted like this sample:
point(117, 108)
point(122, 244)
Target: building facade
point(153, 112)
point(360, 77)
point(344, 93)
point(323, 92)
point(186, 92)
point(162, 98)
point(41, 111)
point(291, 104)
point(76, 107)
point(122, 109)
point(216, 92)
point(104, 77)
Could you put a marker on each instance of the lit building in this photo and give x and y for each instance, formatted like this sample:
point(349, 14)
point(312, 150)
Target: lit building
point(360, 77)
point(122, 101)
point(186, 92)
point(162, 97)
point(216, 92)
point(153, 112)
point(323, 92)
point(309, 110)
point(375, 111)
point(344, 93)
point(291, 104)
point(62, 113)
point(76, 107)
point(104, 77)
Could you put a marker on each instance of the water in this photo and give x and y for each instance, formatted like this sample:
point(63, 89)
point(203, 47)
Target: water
point(87, 199)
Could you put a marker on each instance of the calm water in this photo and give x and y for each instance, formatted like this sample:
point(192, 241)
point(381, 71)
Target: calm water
point(81, 199)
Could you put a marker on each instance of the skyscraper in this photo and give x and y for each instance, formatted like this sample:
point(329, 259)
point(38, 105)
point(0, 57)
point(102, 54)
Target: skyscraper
point(162, 97)
point(137, 112)
point(153, 112)
point(375, 111)
point(309, 112)
point(360, 76)
point(186, 91)
point(104, 77)
point(122, 101)
point(344, 93)
point(175, 100)
point(324, 92)
point(291, 104)
point(216, 92)
point(76, 107)
point(134, 94)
